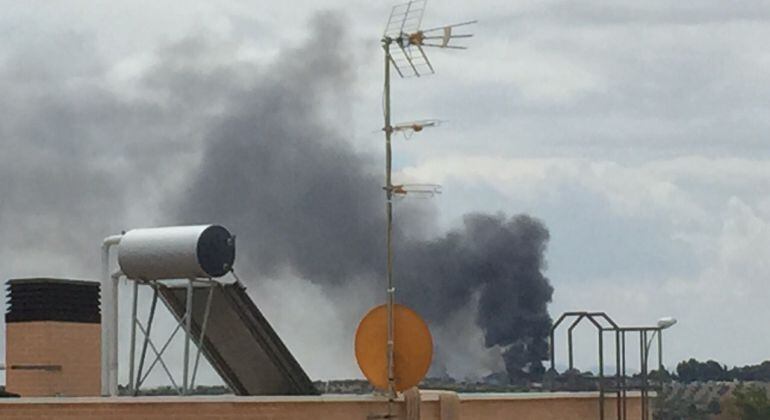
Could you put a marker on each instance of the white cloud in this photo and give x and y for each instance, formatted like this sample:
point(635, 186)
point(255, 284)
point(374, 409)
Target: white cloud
point(637, 131)
point(709, 208)
point(642, 191)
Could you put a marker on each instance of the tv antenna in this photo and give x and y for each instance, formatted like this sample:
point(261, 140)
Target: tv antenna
point(408, 129)
point(404, 43)
point(416, 190)
point(403, 30)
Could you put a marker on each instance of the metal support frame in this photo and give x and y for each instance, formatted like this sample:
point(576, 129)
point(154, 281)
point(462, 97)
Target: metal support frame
point(596, 319)
point(644, 358)
point(621, 389)
point(139, 376)
point(623, 384)
point(391, 291)
point(109, 334)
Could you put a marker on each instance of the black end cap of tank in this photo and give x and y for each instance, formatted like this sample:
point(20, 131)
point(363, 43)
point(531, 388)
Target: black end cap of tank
point(216, 251)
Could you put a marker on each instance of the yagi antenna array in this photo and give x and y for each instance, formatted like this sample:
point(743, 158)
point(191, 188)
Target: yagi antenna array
point(416, 126)
point(404, 44)
point(409, 128)
point(403, 29)
point(416, 190)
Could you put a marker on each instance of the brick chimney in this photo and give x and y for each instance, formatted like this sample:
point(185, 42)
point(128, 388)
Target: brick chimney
point(52, 338)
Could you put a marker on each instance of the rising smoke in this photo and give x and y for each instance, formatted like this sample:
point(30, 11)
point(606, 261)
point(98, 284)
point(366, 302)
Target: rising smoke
point(81, 160)
point(278, 173)
point(76, 156)
point(502, 260)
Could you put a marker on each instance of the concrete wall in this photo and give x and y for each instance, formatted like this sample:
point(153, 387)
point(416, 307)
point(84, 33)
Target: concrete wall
point(554, 406)
point(71, 346)
point(558, 406)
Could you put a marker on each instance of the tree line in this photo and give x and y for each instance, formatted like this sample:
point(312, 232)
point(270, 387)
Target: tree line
point(696, 371)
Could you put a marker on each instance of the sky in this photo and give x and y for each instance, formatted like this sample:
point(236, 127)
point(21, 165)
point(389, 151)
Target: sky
point(634, 131)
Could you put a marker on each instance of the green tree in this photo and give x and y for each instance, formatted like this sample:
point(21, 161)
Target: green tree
point(750, 402)
point(714, 407)
point(693, 370)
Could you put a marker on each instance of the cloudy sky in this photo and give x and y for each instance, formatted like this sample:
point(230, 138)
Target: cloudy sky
point(634, 131)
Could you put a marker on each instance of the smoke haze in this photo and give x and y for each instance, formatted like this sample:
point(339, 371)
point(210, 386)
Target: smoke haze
point(500, 259)
point(276, 172)
point(199, 136)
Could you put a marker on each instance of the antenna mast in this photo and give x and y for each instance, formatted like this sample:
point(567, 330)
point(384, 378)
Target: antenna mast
point(403, 43)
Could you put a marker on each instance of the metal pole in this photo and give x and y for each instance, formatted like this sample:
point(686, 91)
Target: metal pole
point(660, 368)
point(389, 231)
point(643, 341)
point(114, 336)
point(150, 318)
point(570, 358)
point(601, 374)
point(133, 339)
point(570, 352)
point(552, 339)
point(617, 374)
point(623, 372)
point(109, 313)
point(641, 368)
point(105, 321)
point(203, 332)
point(646, 378)
point(188, 336)
point(660, 353)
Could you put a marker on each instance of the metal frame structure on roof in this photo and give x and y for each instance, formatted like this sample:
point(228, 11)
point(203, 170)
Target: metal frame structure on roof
point(138, 376)
point(227, 328)
point(240, 343)
point(604, 323)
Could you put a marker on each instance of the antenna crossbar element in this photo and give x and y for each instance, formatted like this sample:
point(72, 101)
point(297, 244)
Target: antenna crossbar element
point(444, 35)
point(409, 128)
point(408, 59)
point(416, 190)
point(405, 18)
point(416, 126)
point(403, 29)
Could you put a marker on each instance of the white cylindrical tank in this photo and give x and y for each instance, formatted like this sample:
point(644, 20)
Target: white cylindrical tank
point(176, 252)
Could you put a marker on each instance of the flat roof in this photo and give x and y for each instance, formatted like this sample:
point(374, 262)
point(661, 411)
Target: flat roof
point(425, 395)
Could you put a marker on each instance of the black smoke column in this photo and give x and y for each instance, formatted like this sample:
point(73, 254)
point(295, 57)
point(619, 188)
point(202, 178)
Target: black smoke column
point(502, 260)
point(301, 198)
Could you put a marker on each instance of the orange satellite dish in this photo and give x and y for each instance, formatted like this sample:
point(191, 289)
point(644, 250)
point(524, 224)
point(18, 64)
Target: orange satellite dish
point(412, 352)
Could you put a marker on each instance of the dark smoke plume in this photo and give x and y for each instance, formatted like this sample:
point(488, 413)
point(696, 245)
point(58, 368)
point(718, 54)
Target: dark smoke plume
point(83, 157)
point(502, 259)
point(301, 198)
